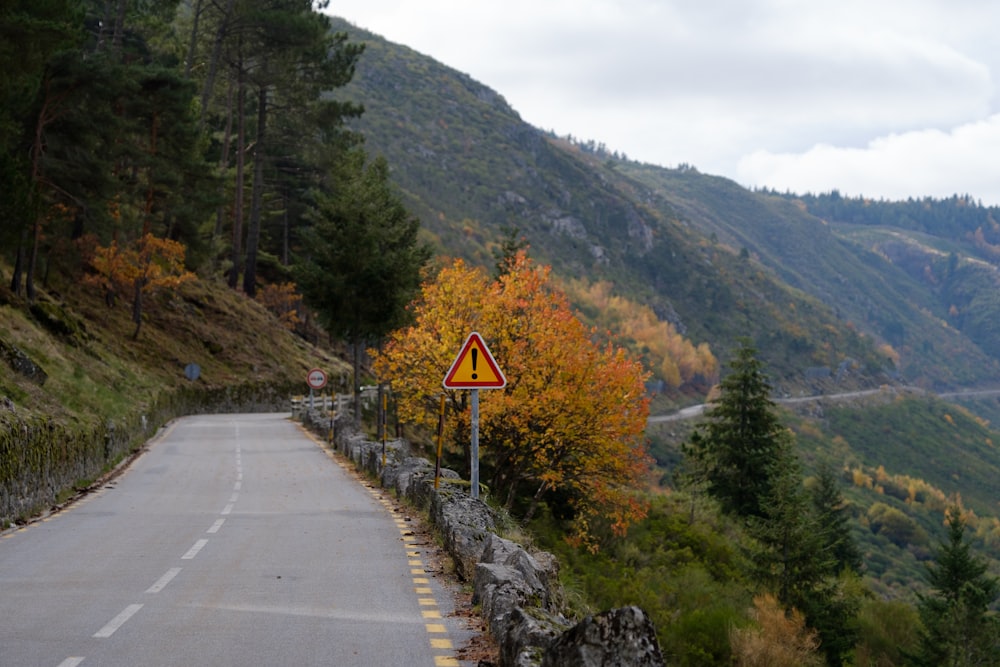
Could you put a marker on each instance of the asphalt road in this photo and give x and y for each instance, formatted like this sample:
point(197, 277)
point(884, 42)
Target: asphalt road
point(235, 540)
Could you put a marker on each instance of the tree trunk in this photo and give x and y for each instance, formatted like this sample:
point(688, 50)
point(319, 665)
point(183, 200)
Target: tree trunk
point(286, 231)
point(537, 498)
point(234, 275)
point(36, 237)
point(193, 41)
point(257, 196)
point(15, 279)
point(119, 31)
point(213, 62)
point(227, 140)
point(357, 383)
point(137, 308)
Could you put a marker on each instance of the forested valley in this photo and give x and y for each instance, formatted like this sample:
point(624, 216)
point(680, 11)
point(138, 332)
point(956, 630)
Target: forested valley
point(256, 188)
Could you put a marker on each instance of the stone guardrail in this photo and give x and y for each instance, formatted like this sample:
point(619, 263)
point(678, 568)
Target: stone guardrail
point(518, 592)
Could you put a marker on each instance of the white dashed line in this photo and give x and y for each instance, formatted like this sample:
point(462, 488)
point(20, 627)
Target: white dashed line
point(71, 662)
point(216, 526)
point(193, 551)
point(164, 580)
point(118, 621)
point(227, 509)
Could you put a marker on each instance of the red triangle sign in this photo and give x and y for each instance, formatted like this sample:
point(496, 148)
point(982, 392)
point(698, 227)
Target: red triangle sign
point(474, 367)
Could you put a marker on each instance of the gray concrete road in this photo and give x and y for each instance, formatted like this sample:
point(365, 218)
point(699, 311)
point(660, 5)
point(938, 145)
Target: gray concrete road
point(235, 540)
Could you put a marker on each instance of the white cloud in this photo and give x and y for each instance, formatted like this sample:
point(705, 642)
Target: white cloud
point(742, 89)
point(912, 164)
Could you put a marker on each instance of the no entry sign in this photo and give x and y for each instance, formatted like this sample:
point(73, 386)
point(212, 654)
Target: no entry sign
point(316, 379)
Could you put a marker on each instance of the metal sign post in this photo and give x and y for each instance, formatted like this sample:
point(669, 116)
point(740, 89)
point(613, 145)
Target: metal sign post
point(440, 436)
point(474, 477)
point(474, 368)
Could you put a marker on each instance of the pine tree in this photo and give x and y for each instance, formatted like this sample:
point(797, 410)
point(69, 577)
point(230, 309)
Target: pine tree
point(828, 505)
point(366, 260)
point(794, 558)
point(735, 452)
point(959, 629)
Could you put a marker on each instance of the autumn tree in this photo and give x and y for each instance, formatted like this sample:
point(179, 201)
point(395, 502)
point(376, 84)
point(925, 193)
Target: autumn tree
point(778, 638)
point(569, 424)
point(283, 301)
point(670, 356)
point(148, 265)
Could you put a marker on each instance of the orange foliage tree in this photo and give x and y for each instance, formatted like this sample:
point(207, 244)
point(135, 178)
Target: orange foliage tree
point(569, 424)
point(780, 638)
point(145, 266)
point(673, 358)
point(283, 301)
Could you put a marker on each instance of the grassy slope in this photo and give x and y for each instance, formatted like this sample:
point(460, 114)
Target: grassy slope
point(97, 371)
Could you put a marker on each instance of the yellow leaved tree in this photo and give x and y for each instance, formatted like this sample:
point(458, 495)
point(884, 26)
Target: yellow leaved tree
point(147, 265)
point(568, 429)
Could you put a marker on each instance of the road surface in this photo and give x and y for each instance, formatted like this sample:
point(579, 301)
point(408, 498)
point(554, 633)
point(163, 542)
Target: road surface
point(235, 540)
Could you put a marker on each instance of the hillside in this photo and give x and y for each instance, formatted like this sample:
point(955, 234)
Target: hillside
point(830, 303)
point(94, 367)
point(77, 392)
point(859, 280)
point(709, 256)
point(471, 168)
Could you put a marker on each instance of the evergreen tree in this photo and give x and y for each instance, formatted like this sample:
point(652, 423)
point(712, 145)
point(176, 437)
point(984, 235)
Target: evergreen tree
point(735, 452)
point(959, 629)
point(793, 558)
point(365, 261)
point(296, 60)
point(833, 522)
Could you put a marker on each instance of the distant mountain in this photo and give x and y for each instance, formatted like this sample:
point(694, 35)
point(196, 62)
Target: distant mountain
point(826, 306)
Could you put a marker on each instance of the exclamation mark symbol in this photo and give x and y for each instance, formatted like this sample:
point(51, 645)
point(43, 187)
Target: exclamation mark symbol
point(475, 355)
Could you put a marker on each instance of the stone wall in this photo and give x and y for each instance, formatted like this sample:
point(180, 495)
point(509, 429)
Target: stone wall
point(43, 459)
point(518, 592)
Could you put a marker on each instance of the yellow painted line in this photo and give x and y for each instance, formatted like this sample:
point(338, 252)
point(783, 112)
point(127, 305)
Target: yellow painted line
point(420, 580)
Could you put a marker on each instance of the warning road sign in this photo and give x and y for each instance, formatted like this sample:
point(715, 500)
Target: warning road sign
point(474, 367)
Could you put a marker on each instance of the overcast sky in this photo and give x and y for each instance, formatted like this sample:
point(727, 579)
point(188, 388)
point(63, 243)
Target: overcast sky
point(882, 98)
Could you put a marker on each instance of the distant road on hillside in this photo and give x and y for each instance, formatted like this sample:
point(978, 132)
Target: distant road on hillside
point(693, 411)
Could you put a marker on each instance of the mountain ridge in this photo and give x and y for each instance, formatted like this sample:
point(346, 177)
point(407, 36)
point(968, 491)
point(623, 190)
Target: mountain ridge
point(468, 166)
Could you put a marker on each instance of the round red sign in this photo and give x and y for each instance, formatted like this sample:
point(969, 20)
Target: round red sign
point(316, 379)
